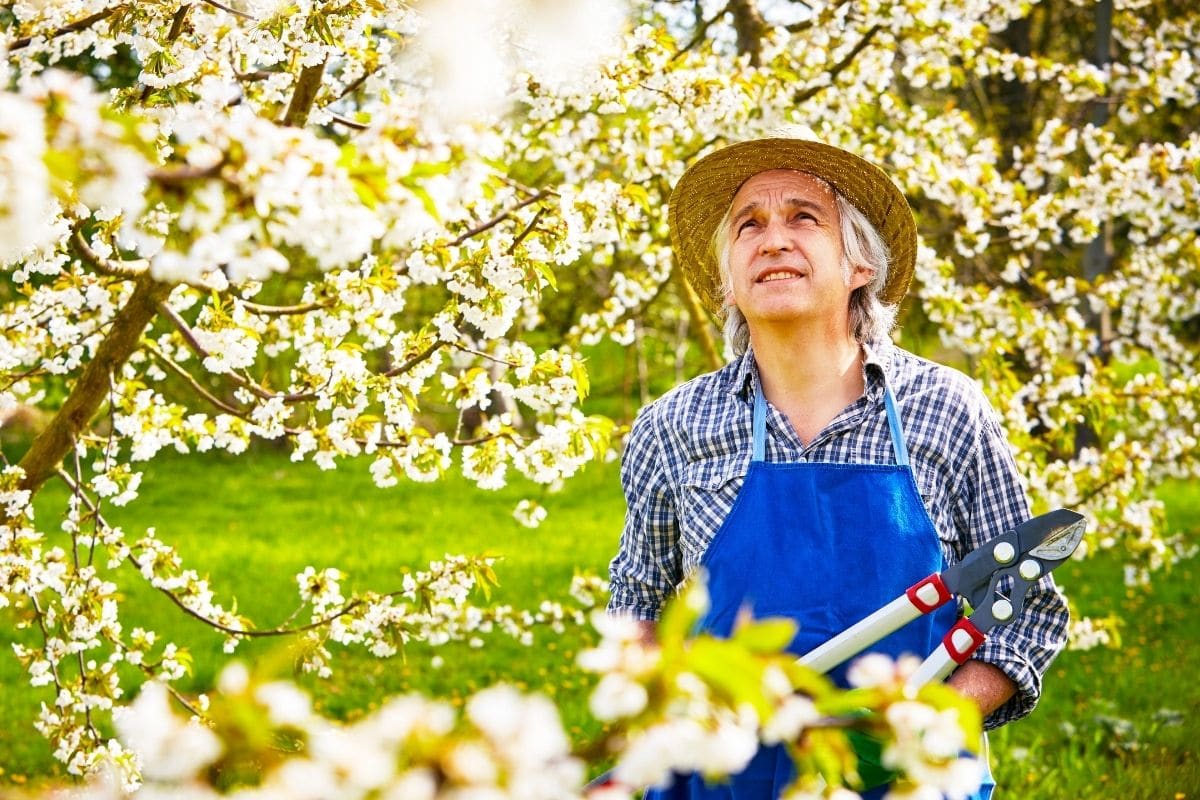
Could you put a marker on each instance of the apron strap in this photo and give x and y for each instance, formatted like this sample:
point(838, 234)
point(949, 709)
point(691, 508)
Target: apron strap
point(760, 424)
point(893, 416)
point(897, 430)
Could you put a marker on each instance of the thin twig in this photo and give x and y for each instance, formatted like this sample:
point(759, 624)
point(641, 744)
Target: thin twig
point(29, 373)
point(189, 337)
point(525, 233)
point(346, 609)
point(78, 25)
point(837, 68)
point(116, 269)
point(255, 76)
point(195, 384)
point(702, 30)
point(412, 362)
point(349, 123)
point(41, 620)
point(78, 499)
point(184, 330)
point(229, 10)
point(179, 698)
point(181, 175)
point(496, 220)
point(279, 311)
point(357, 82)
point(488, 356)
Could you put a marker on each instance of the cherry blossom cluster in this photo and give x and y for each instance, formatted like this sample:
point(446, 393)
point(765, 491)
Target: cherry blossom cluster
point(698, 704)
point(508, 744)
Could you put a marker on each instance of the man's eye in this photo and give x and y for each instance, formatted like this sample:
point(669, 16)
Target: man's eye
point(750, 223)
point(804, 216)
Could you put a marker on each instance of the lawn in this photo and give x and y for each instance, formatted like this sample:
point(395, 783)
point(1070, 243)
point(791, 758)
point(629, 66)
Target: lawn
point(1113, 723)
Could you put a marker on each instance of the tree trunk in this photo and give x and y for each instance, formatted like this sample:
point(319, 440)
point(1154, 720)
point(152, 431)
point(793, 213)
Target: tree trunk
point(750, 28)
point(49, 448)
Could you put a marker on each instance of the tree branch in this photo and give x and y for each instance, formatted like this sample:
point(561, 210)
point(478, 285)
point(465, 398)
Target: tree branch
point(837, 68)
point(177, 22)
point(304, 95)
point(750, 28)
point(189, 337)
point(116, 269)
point(181, 175)
point(174, 598)
point(195, 384)
point(78, 25)
point(280, 311)
point(701, 31)
point(357, 82)
point(229, 10)
point(700, 320)
point(417, 359)
point(346, 121)
point(525, 233)
point(496, 220)
point(123, 338)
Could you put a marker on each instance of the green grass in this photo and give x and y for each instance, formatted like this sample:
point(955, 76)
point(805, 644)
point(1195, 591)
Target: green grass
point(252, 523)
point(1105, 727)
point(1118, 723)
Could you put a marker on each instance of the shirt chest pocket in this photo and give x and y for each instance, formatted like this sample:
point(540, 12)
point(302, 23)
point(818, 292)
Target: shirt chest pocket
point(707, 492)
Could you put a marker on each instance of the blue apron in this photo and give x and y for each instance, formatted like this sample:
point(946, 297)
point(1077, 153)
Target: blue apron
point(824, 544)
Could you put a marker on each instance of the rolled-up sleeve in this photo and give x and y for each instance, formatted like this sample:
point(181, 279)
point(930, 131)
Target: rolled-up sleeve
point(647, 568)
point(991, 502)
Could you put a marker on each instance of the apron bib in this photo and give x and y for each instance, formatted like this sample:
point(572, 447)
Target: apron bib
point(825, 545)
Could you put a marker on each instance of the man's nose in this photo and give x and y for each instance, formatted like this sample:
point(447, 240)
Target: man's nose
point(775, 238)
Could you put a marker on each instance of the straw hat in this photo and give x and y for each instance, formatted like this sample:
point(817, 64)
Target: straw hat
point(704, 193)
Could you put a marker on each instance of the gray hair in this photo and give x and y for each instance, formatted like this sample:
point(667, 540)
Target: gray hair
point(870, 317)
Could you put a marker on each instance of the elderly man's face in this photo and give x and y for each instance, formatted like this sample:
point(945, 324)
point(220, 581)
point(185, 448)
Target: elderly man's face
point(785, 251)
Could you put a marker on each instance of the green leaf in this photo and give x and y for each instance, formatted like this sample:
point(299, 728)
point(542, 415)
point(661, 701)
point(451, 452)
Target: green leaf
point(682, 613)
point(638, 194)
point(729, 670)
point(766, 636)
point(422, 195)
point(428, 169)
point(546, 272)
point(579, 373)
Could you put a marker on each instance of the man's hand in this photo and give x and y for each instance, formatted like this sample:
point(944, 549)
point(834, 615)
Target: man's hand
point(984, 683)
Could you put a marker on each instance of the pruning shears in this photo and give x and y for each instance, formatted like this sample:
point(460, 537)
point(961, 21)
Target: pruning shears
point(1024, 554)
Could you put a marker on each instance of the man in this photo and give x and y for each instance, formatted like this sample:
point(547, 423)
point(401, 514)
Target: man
point(824, 470)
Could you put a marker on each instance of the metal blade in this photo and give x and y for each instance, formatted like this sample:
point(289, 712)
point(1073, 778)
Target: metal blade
point(1053, 536)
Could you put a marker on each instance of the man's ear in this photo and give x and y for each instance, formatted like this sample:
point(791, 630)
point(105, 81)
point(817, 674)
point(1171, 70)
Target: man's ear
point(860, 275)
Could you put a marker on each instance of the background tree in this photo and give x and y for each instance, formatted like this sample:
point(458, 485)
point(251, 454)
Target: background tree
point(307, 223)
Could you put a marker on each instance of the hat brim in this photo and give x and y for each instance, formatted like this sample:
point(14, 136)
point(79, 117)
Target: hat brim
point(703, 195)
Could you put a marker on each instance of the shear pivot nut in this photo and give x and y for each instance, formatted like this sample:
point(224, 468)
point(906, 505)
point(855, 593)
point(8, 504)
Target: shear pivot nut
point(1002, 610)
point(1030, 569)
point(1004, 553)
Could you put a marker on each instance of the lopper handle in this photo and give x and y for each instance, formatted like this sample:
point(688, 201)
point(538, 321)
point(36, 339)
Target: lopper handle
point(920, 598)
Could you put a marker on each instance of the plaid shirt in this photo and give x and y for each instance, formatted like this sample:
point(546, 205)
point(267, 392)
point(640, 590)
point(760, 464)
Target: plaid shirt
point(690, 450)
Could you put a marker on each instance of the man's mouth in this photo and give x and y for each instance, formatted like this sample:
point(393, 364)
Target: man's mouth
point(778, 275)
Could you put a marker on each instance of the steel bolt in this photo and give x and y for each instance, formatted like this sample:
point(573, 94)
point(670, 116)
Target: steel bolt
point(1002, 610)
point(1004, 553)
point(1030, 569)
